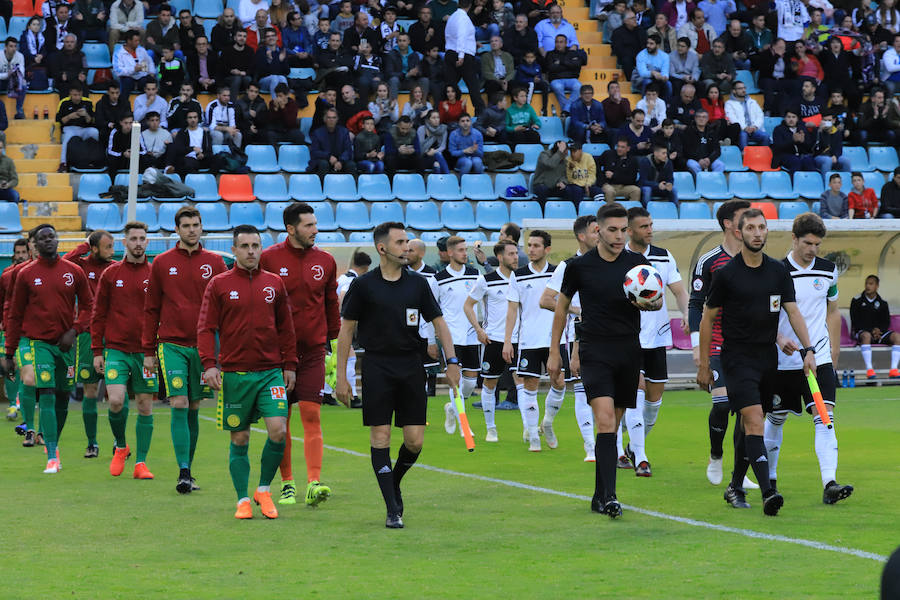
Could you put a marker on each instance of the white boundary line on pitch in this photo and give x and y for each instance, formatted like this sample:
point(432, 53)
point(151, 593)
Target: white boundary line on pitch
point(650, 513)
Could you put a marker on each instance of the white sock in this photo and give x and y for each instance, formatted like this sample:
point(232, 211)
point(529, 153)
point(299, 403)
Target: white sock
point(488, 402)
point(826, 449)
point(651, 410)
point(466, 385)
point(772, 438)
point(351, 372)
point(584, 415)
point(620, 448)
point(262, 488)
point(531, 412)
point(866, 351)
point(520, 390)
point(553, 402)
point(895, 356)
point(634, 421)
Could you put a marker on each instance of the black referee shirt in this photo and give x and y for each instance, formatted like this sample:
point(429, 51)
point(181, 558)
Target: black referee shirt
point(751, 300)
point(605, 310)
point(388, 312)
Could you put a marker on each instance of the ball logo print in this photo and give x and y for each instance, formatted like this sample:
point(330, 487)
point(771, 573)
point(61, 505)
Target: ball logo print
point(269, 294)
point(643, 284)
point(206, 271)
point(177, 383)
point(318, 272)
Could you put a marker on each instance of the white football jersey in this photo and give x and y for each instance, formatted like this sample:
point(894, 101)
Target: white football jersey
point(526, 287)
point(344, 281)
point(656, 330)
point(815, 286)
point(491, 290)
point(426, 328)
point(452, 290)
point(555, 284)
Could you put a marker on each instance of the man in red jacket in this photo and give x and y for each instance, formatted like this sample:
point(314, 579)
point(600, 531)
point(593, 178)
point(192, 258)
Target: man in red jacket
point(21, 252)
point(99, 250)
point(309, 274)
point(250, 310)
point(178, 278)
point(118, 354)
point(26, 393)
point(42, 315)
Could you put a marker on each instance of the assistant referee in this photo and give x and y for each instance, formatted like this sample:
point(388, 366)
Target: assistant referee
point(387, 304)
point(751, 290)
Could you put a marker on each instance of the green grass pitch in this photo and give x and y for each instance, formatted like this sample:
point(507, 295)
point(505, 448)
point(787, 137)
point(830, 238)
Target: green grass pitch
point(84, 534)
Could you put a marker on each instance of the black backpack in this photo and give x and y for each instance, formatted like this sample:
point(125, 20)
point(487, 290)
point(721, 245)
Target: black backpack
point(85, 154)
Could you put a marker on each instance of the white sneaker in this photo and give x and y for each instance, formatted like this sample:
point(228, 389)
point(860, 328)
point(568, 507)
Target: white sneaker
point(52, 466)
point(589, 455)
point(549, 435)
point(534, 444)
point(749, 484)
point(462, 435)
point(491, 435)
point(714, 471)
point(449, 418)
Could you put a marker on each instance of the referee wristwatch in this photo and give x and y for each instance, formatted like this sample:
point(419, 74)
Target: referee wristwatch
point(805, 351)
point(452, 361)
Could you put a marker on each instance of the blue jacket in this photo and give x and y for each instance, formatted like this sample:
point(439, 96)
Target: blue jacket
point(584, 115)
point(646, 63)
point(458, 142)
point(651, 174)
point(296, 40)
point(526, 73)
point(323, 149)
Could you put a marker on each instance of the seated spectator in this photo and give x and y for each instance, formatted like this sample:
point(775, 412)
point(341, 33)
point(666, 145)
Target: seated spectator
point(131, 63)
point(776, 79)
point(433, 68)
point(581, 175)
point(501, 18)
point(805, 64)
point(549, 29)
point(522, 123)
point(256, 32)
point(203, 66)
point(237, 63)
point(33, 45)
point(350, 104)
point(331, 150)
point(619, 170)
point(837, 65)
point(667, 36)
point(94, 18)
point(637, 134)
point(247, 10)
point(403, 68)
point(842, 119)
point(890, 198)
point(815, 31)
point(670, 138)
point(829, 153)
point(587, 123)
point(118, 149)
point(653, 106)
point(657, 178)
point(326, 100)
point(433, 142)
point(12, 74)
point(344, 19)
point(563, 70)
point(110, 110)
point(745, 113)
point(9, 179)
point(389, 30)
point(678, 12)
point(125, 16)
point(283, 125)
point(221, 120)
point(701, 146)
point(716, 67)
point(467, 147)
point(385, 110)
point(172, 72)
point(297, 42)
point(222, 34)
point(862, 202)
point(870, 323)
point(728, 133)
point(615, 18)
point(192, 149)
point(699, 32)
point(367, 69)
point(616, 108)
point(529, 75)
point(75, 116)
point(520, 39)
point(157, 141)
point(189, 29)
point(536, 10)
point(451, 107)
point(162, 31)
point(497, 69)
point(833, 203)
point(627, 41)
point(793, 145)
point(424, 34)
point(278, 13)
point(873, 119)
point(361, 31)
point(716, 12)
point(176, 113)
point(333, 65)
point(367, 148)
point(738, 44)
point(322, 35)
point(890, 66)
point(271, 67)
point(652, 66)
point(809, 103)
point(68, 65)
point(549, 179)
point(150, 101)
point(479, 14)
point(253, 116)
point(57, 27)
point(760, 36)
point(682, 110)
point(401, 148)
point(684, 65)
point(417, 107)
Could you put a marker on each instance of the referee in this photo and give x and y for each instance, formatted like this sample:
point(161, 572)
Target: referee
point(608, 339)
point(751, 290)
point(387, 304)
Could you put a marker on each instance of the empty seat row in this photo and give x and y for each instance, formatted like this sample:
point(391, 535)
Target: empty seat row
point(759, 158)
point(215, 217)
point(772, 184)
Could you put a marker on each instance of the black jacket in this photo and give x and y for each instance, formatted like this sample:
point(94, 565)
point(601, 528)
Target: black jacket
point(223, 37)
point(212, 66)
point(183, 143)
point(518, 44)
point(176, 116)
point(106, 113)
point(628, 42)
point(699, 144)
point(563, 65)
point(866, 315)
point(242, 60)
point(393, 63)
point(890, 199)
point(783, 143)
point(418, 33)
point(73, 26)
point(624, 169)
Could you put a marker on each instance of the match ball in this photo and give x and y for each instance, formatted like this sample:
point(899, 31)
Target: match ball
point(643, 284)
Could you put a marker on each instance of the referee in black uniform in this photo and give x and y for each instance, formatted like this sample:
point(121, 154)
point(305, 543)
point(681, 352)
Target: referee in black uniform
point(387, 304)
point(609, 347)
point(752, 289)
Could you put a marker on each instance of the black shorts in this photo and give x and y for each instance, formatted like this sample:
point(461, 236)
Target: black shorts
point(393, 385)
point(715, 365)
point(533, 361)
point(654, 367)
point(752, 375)
point(469, 356)
point(611, 369)
point(792, 390)
point(492, 363)
point(427, 361)
point(884, 339)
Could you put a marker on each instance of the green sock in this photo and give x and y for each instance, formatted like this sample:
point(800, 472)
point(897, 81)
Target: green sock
point(181, 437)
point(117, 422)
point(62, 412)
point(27, 400)
point(144, 432)
point(12, 386)
point(89, 414)
point(239, 466)
point(48, 421)
point(271, 457)
point(193, 421)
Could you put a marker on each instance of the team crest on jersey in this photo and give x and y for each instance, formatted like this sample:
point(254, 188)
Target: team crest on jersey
point(776, 401)
point(775, 303)
point(877, 304)
point(28, 356)
point(269, 296)
point(233, 295)
point(68, 279)
point(92, 275)
point(38, 281)
point(283, 271)
point(85, 373)
point(698, 284)
point(70, 372)
point(177, 383)
point(149, 374)
point(120, 283)
point(485, 366)
point(112, 374)
point(818, 284)
point(206, 271)
point(45, 376)
point(173, 270)
point(278, 392)
point(412, 316)
point(233, 420)
point(318, 272)
point(523, 363)
point(146, 284)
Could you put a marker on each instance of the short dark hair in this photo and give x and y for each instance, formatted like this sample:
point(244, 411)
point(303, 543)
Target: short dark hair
point(611, 210)
point(496, 97)
point(684, 40)
point(360, 259)
point(151, 114)
point(581, 224)
point(291, 214)
point(282, 88)
point(833, 177)
point(500, 246)
point(654, 38)
point(244, 229)
point(37, 228)
point(750, 213)
point(454, 240)
point(586, 88)
point(875, 277)
point(383, 230)
point(96, 236)
point(113, 84)
point(163, 7)
point(636, 212)
point(856, 174)
point(134, 225)
point(186, 212)
point(728, 208)
point(20, 242)
point(513, 231)
point(12, 40)
point(808, 223)
point(464, 4)
point(130, 34)
point(545, 237)
point(76, 86)
point(404, 119)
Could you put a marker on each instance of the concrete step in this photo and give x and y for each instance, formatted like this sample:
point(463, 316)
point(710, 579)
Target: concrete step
point(596, 61)
point(44, 179)
point(30, 132)
point(70, 223)
point(52, 193)
point(599, 49)
point(37, 165)
point(33, 150)
point(33, 101)
point(602, 77)
point(69, 239)
point(52, 209)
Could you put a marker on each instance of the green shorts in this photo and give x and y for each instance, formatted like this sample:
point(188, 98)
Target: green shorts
point(247, 396)
point(84, 360)
point(24, 355)
point(127, 368)
point(53, 368)
point(181, 371)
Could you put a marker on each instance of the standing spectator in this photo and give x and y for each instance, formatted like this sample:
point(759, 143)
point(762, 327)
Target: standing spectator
point(367, 148)
point(862, 202)
point(283, 125)
point(433, 69)
point(793, 145)
point(699, 32)
point(253, 116)
point(12, 74)
point(401, 148)
point(76, 119)
point(833, 203)
point(221, 120)
point(497, 68)
point(520, 39)
point(627, 41)
point(333, 65)
point(68, 65)
point(418, 107)
point(424, 34)
point(331, 150)
point(637, 134)
point(581, 175)
point(549, 179)
point(452, 107)
point(837, 64)
point(433, 142)
point(9, 179)
point(223, 31)
point(192, 148)
point(467, 146)
point(203, 66)
point(549, 29)
point(619, 168)
point(125, 16)
point(657, 178)
point(653, 106)
point(150, 101)
point(131, 64)
point(522, 123)
point(385, 110)
point(94, 15)
point(110, 109)
point(563, 70)
point(745, 112)
point(890, 198)
point(701, 145)
point(403, 67)
point(176, 114)
point(157, 141)
point(716, 67)
point(776, 79)
point(738, 44)
point(459, 55)
point(59, 26)
point(118, 149)
point(361, 31)
point(587, 123)
point(792, 18)
point(271, 62)
point(172, 72)
point(652, 66)
point(162, 31)
point(678, 12)
point(297, 42)
point(616, 108)
point(189, 29)
point(716, 12)
point(667, 34)
point(237, 63)
point(492, 122)
point(684, 66)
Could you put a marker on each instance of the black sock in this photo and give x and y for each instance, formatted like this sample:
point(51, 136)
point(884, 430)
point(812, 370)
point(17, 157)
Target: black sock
point(605, 466)
point(741, 464)
point(381, 464)
point(756, 452)
point(406, 458)
point(718, 426)
point(62, 411)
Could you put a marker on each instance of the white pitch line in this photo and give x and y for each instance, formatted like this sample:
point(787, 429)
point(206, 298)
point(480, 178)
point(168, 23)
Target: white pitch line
point(750, 533)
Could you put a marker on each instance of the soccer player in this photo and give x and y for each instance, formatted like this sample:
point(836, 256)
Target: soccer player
point(816, 288)
point(751, 290)
point(609, 353)
point(118, 354)
point(656, 336)
point(384, 307)
point(10, 384)
point(250, 310)
point(431, 356)
point(586, 234)
point(178, 278)
point(359, 265)
point(310, 278)
point(26, 393)
point(491, 291)
point(526, 285)
point(99, 250)
point(870, 322)
point(42, 320)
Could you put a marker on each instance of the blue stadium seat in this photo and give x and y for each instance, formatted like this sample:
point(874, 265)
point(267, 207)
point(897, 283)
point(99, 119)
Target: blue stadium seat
point(375, 188)
point(520, 210)
point(306, 187)
point(324, 216)
point(302, 73)
point(770, 123)
point(361, 237)
point(712, 186)
point(815, 207)
point(217, 244)
point(589, 207)
point(432, 236)
point(478, 187)
point(883, 158)
point(293, 158)
point(808, 184)
point(103, 216)
point(270, 187)
point(208, 25)
point(329, 237)
point(733, 159)
point(443, 187)
point(495, 236)
point(859, 160)
point(166, 216)
point(846, 183)
point(491, 214)
point(551, 130)
point(457, 215)
point(352, 216)
point(247, 213)
point(662, 210)
point(506, 180)
point(157, 244)
point(777, 185)
point(146, 213)
point(122, 179)
point(747, 78)
point(305, 126)
point(219, 148)
point(472, 236)
point(91, 185)
point(559, 209)
point(267, 239)
point(629, 204)
point(17, 26)
point(205, 187)
point(261, 158)
point(97, 55)
point(340, 188)
point(684, 185)
point(208, 9)
point(409, 187)
point(422, 215)
point(874, 180)
point(9, 218)
point(744, 185)
point(387, 211)
point(531, 153)
point(274, 211)
point(694, 210)
point(595, 149)
point(179, 5)
point(789, 210)
point(214, 217)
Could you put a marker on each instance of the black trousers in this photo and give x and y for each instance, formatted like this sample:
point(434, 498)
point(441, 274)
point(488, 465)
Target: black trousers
point(468, 72)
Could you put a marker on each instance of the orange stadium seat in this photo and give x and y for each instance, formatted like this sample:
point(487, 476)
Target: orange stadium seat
point(769, 210)
point(758, 158)
point(236, 188)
